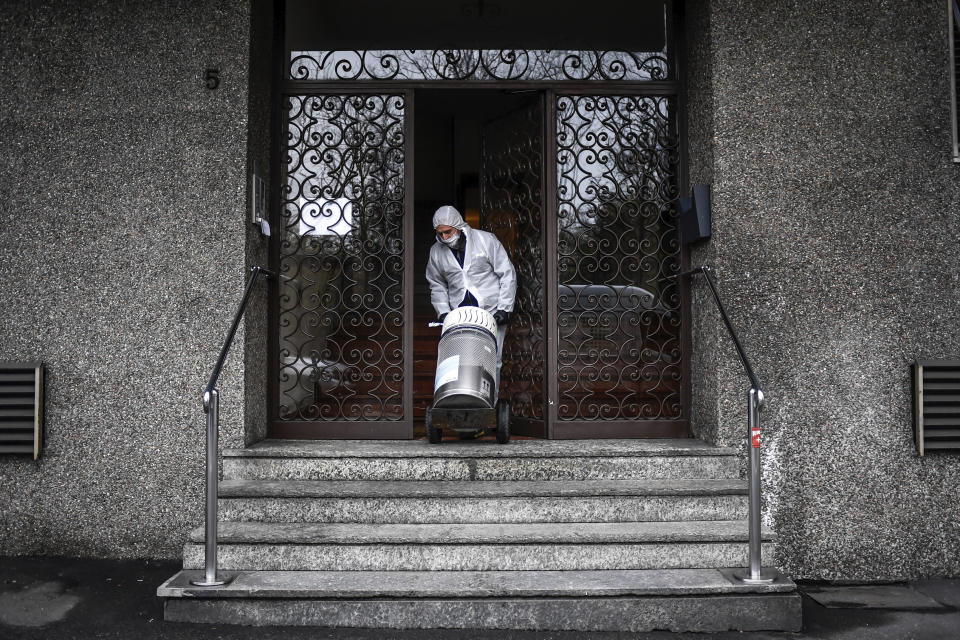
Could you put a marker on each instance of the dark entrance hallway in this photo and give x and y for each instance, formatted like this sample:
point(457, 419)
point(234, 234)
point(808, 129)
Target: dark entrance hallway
point(462, 158)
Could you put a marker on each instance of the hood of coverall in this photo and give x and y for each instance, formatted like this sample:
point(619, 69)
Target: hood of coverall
point(449, 216)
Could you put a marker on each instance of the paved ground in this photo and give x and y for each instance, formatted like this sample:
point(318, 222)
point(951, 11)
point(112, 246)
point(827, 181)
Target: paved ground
point(70, 599)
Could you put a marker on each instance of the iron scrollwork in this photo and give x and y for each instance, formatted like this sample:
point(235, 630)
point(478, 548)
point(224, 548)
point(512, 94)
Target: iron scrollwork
point(341, 259)
point(478, 64)
point(619, 318)
point(511, 197)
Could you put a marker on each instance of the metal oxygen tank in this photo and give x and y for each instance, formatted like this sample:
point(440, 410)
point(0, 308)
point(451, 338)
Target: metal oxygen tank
point(467, 360)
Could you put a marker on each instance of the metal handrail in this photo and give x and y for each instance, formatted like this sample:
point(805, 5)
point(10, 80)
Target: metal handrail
point(254, 272)
point(211, 405)
point(755, 402)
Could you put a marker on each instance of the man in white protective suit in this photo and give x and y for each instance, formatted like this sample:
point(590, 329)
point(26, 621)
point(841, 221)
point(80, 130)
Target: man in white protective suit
point(470, 268)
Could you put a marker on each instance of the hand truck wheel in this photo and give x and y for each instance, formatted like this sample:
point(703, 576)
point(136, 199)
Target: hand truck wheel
point(503, 422)
point(434, 435)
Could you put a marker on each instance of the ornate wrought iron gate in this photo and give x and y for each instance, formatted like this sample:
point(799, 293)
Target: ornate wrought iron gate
point(344, 361)
point(618, 319)
point(511, 202)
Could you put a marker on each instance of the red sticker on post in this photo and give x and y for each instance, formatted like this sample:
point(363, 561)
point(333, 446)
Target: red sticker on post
point(755, 437)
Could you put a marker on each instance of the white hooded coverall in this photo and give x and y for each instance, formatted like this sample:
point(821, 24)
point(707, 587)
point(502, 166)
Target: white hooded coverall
point(487, 273)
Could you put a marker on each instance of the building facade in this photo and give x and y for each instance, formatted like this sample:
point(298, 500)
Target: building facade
point(131, 135)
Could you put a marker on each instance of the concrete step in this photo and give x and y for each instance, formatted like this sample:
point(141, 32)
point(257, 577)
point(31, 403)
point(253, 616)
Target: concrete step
point(467, 584)
point(467, 534)
point(480, 502)
point(480, 460)
point(678, 600)
point(477, 547)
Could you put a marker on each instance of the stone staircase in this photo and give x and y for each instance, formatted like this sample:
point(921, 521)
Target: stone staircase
point(602, 535)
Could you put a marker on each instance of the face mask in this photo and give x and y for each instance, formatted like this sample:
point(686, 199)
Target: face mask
point(451, 241)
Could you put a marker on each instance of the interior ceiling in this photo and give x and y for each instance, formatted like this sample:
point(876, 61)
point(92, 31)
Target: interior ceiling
point(632, 25)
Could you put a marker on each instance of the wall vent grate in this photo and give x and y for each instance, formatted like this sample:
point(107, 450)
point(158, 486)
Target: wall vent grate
point(936, 401)
point(21, 408)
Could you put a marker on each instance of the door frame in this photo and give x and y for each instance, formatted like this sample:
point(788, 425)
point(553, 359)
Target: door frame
point(403, 429)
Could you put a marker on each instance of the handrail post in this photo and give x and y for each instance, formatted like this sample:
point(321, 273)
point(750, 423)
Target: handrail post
point(211, 404)
point(753, 424)
point(755, 574)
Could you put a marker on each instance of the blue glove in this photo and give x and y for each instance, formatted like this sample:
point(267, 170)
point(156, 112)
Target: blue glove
point(502, 317)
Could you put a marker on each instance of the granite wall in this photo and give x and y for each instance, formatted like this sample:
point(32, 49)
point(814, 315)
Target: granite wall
point(123, 186)
point(824, 128)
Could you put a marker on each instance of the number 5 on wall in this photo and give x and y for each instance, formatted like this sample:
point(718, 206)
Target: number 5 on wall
point(212, 78)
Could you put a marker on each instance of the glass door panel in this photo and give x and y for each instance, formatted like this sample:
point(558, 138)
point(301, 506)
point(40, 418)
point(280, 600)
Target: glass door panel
point(342, 369)
point(618, 317)
point(511, 194)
